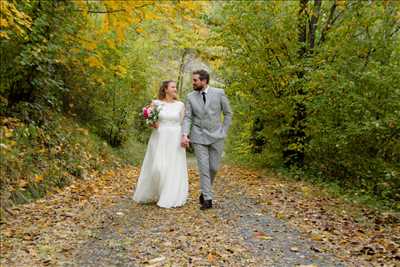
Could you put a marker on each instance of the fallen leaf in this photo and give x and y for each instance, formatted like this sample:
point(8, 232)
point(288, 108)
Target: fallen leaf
point(157, 260)
point(210, 257)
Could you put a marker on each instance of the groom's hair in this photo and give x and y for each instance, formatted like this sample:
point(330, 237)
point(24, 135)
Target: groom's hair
point(203, 75)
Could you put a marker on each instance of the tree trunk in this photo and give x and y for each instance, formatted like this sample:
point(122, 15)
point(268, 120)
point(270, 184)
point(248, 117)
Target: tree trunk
point(294, 139)
point(302, 20)
point(181, 69)
point(313, 23)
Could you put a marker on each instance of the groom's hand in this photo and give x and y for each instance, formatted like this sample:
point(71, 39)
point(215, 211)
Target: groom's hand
point(185, 141)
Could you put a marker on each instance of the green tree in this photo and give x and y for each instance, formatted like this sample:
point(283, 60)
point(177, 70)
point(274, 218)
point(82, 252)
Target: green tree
point(315, 85)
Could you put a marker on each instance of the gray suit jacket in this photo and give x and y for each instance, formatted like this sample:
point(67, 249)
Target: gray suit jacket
point(203, 122)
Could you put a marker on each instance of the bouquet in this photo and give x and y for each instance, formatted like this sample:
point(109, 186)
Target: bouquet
point(151, 113)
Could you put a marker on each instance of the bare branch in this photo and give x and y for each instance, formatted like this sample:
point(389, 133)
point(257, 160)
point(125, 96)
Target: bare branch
point(328, 24)
point(395, 31)
point(101, 12)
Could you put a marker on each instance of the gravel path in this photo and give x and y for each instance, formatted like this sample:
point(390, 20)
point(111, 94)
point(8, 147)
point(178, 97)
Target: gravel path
point(237, 232)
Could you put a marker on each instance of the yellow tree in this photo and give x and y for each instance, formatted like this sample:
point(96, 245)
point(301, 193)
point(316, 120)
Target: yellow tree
point(13, 20)
point(179, 19)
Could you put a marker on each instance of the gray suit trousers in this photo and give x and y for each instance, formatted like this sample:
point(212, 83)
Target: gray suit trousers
point(208, 159)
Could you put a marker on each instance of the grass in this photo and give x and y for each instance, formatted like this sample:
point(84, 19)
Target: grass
point(132, 151)
point(36, 160)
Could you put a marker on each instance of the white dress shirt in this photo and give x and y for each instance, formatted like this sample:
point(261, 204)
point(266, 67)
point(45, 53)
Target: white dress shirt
point(205, 90)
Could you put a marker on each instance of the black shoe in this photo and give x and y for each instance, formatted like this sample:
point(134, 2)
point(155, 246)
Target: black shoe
point(201, 199)
point(207, 204)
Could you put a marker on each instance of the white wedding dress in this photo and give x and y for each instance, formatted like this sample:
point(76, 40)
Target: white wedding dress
point(163, 177)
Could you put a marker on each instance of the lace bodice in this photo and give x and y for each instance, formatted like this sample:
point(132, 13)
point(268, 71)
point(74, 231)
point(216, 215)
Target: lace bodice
point(171, 114)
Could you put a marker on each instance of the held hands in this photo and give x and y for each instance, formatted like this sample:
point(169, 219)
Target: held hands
point(155, 125)
point(185, 141)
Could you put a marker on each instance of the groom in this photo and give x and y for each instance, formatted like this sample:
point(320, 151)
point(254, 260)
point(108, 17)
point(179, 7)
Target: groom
point(207, 133)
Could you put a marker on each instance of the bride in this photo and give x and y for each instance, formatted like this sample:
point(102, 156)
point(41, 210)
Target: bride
point(163, 177)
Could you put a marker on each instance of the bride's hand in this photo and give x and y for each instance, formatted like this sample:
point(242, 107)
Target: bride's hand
point(155, 125)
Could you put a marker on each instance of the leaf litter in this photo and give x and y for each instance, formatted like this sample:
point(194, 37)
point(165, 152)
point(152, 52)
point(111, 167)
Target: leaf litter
point(258, 220)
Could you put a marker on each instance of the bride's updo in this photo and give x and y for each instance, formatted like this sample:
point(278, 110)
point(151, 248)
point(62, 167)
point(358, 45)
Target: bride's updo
point(164, 86)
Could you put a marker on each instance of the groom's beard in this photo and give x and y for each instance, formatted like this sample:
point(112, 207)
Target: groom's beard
point(198, 88)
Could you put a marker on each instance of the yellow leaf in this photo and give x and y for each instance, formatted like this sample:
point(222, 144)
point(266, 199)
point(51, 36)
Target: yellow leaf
point(151, 15)
point(81, 4)
point(75, 50)
point(110, 43)
point(3, 23)
point(38, 178)
point(90, 46)
point(94, 62)
point(111, 4)
point(8, 132)
point(120, 34)
point(316, 237)
point(4, 35)
point(106, 24)
point(120, 71)
point(306, 190)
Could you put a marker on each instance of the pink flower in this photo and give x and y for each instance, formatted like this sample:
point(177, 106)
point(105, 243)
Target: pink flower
point(146, 112)
point(150, 114)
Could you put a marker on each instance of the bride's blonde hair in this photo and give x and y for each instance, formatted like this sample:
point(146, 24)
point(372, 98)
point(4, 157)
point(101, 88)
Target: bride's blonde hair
point(163, 87)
